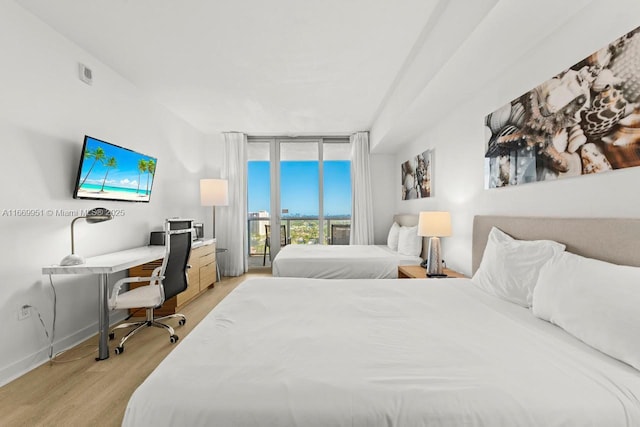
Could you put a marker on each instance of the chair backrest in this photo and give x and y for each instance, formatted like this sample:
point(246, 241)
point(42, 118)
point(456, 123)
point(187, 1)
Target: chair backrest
point(340, 234)
point(284, 239)
point(178, 248)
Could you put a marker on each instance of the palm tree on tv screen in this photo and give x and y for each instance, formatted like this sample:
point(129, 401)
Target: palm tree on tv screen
point(142, 168)
point(110, 163)
point(151, 168)
point(97, 155)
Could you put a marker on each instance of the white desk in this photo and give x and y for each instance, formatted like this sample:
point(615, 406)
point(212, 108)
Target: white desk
point(105, 265)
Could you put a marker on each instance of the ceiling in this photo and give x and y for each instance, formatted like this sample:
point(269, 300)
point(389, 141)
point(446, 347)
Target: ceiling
point(287, 67)
point(330, 67)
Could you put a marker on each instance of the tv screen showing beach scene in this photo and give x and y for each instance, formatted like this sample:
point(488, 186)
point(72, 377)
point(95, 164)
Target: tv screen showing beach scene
point(110, 172)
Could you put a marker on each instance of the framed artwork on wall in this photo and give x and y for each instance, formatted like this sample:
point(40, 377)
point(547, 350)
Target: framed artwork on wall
point(416, 175)
point(585, 120)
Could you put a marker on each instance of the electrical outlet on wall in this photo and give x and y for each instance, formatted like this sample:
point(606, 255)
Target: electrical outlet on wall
point(24, 312)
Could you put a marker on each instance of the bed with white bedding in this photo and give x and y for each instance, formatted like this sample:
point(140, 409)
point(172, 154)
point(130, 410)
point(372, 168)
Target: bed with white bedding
point(411, 352)
point(354, 261)
point(307, 352)
point(340, 262)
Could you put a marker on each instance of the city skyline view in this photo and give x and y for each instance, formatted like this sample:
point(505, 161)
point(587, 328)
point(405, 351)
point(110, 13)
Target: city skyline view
point(300, 186)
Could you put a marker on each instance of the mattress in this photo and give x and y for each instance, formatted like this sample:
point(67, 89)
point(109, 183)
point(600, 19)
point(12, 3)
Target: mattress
point(307, 352)
point(340, 262)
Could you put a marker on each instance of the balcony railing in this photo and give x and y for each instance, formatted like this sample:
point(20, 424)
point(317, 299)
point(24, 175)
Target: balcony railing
point(301, 230)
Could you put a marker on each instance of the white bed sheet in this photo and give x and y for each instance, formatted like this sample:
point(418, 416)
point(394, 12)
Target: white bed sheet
point(305, 352)
point(340, 262)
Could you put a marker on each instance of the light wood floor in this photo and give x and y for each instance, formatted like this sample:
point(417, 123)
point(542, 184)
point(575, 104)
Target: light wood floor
point(89, 393)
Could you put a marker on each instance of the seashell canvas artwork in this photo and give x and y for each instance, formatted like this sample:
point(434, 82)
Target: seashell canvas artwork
point(417, 176)
point(585, 120)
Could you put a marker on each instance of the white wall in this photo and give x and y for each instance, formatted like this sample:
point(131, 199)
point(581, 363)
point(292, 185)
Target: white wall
point(458, 138)
point(45, 111)
point(383, 184)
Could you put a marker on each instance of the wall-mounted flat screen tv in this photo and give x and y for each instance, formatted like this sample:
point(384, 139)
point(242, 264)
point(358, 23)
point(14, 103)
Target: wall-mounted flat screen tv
point(111, 172)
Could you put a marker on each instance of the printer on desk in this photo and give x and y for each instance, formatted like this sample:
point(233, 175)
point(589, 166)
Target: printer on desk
point(156, 238)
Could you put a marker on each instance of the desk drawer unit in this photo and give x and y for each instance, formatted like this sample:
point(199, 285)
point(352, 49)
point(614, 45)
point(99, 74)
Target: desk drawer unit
point(207, 266)
point(192, 276)
point(207, 275)
point(207, 258)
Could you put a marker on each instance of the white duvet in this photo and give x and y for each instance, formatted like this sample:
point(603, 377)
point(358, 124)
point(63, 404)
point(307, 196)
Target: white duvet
point(422, 352)
point(340, 262)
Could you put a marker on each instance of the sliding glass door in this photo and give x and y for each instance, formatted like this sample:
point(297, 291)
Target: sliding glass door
point(336, 185)
point(299, 193)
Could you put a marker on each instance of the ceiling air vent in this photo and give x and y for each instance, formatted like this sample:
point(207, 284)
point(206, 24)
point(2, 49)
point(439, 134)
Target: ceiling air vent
point(86, 75)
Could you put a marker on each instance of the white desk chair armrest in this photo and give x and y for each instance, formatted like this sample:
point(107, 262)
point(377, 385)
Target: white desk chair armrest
point(118, 285)
point(156, 275)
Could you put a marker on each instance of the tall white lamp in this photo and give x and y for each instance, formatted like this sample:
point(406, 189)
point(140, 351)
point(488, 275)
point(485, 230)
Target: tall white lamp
point(434, 225)
point(214, 192)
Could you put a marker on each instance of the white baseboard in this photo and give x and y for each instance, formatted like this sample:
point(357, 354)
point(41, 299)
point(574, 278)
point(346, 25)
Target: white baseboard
point(41, 356)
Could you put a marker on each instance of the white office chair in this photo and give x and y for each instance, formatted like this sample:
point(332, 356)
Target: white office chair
point(165, 282)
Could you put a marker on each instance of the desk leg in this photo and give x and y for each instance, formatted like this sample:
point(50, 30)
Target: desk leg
point(103, 322)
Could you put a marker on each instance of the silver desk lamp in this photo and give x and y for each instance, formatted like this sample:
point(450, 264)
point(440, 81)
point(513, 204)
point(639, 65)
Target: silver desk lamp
point(93, 216)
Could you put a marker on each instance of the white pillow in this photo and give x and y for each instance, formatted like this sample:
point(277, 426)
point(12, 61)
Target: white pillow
point(509, 268)
point(394, 235)
point(595, 301)
point(409, 243)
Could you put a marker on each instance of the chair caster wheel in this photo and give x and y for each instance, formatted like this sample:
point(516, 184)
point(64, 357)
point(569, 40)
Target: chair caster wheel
point(119, 350)
point(181, 322)
point(112, 335)
point(173, 339)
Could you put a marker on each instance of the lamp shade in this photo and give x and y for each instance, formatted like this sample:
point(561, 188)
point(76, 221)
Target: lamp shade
point(434, 224)
point(96, 215)
point(214, 192)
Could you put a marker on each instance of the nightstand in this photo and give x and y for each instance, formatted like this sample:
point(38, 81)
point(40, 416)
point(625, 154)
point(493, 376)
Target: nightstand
point(417, 272)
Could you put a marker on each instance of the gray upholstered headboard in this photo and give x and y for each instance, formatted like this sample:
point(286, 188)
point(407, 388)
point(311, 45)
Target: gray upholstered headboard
point(615, 240)
point(406, 220)
point(409, 220)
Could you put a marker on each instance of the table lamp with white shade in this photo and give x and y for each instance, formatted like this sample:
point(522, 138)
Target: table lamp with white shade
point(214, 192)
point(434, 225)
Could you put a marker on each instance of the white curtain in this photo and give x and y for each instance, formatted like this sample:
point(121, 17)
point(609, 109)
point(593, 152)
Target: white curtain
point(361, 204)
point(231, 230)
